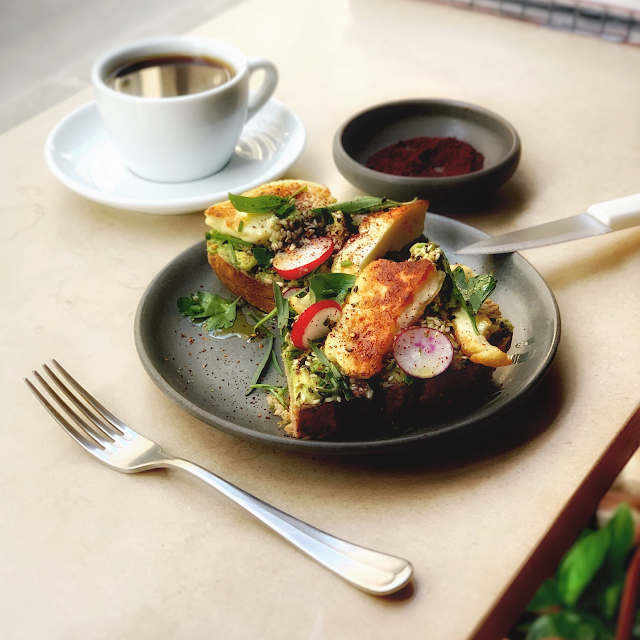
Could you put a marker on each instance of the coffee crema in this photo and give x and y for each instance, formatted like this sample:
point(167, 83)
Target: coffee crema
point(168, 76)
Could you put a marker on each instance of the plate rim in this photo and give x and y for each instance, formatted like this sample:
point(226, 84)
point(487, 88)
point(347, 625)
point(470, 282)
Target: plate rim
point(477, 419)
point(170, 206)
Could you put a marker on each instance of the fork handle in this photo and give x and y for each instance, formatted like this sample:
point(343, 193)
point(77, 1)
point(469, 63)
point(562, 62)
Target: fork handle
point(371, 571)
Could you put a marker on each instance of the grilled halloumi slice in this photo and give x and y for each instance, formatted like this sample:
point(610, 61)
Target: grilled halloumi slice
point(386, 297)
point(379, 233)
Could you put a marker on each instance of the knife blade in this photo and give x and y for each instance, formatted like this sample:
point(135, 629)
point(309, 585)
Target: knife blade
point(600, 219)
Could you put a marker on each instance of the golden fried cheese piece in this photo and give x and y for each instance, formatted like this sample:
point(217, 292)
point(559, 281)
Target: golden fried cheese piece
point(379, 233)
point(386, 297)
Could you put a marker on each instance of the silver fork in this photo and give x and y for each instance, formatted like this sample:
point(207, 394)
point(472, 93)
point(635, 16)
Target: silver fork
point(121, 448)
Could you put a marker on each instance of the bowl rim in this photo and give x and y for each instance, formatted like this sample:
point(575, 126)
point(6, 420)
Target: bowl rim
point(514, 150)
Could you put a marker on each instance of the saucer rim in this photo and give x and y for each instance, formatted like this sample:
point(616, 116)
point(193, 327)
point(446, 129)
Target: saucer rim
point(173, 206)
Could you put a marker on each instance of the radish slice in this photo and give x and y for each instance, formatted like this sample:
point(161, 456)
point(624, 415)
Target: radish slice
point(287, 292)
point(422, 352)
point(295, 262)
point(312, 323)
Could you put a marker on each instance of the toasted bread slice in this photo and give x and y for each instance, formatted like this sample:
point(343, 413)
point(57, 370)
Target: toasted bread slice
point(261, 230)
point(390, 403)
point(253, 291)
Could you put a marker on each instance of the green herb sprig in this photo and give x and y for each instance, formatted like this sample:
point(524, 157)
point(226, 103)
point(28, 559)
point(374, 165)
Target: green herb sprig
point(331, 286)
point(281, 207)
point(359, 206)
point(332, 370)
point(261, 367)
point(471, 293)
point(215, 311)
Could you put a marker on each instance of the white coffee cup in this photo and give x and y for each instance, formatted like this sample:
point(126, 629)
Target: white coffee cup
point(186, 137)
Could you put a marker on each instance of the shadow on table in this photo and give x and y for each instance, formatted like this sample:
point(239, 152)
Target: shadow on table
point(508, 433)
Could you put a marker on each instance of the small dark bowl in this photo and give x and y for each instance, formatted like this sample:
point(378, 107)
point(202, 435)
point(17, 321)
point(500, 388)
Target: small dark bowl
point(384, 125)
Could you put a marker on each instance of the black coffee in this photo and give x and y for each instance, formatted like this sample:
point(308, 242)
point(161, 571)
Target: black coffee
point(169, 76)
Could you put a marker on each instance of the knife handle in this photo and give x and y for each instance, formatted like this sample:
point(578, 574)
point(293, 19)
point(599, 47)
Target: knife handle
point(617, 214)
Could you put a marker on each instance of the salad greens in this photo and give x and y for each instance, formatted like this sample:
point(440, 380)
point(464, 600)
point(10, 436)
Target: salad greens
point(261, 367)
point(332, 371)
point(471, 293)
point(278, 205)
point(359, 206)
point(215, 311)
point(334, 286)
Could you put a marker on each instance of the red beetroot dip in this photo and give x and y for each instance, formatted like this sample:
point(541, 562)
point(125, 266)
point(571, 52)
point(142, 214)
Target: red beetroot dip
point(427, 158)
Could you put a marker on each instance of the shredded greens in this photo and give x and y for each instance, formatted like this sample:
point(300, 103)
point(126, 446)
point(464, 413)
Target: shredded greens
point(332, 371)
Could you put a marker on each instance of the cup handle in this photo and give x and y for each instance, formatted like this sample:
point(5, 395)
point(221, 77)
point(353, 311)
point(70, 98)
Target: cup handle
point(268, 86)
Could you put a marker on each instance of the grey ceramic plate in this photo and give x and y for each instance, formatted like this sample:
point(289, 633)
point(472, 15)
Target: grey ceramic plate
point(208, 376)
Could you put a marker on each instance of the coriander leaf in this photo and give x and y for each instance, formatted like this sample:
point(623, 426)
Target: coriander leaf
point(263, 256)
point(261, 366)
point(475, 290)
point(216, 311)
point(327, 286)
point(259, 204)
point(359, 206)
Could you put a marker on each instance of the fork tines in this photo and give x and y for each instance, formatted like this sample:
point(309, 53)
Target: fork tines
point(103, 427)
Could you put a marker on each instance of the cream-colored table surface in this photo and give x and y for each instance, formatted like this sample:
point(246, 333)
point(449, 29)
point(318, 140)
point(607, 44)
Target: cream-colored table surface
point(92, 554)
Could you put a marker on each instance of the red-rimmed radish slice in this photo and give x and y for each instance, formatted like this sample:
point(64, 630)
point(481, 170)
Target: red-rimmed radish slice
point(287, 292)
point(295, 262)
point(422, 352)
point(312, 323)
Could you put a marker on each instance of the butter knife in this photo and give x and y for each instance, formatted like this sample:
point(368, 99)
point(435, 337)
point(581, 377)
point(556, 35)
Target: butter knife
point(613, 215)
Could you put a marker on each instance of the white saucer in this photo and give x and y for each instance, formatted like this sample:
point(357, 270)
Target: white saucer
point(81, 156)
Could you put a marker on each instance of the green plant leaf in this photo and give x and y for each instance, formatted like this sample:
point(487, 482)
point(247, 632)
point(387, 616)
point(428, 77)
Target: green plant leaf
point(263, 256)
point(622, 531)
point(334, 286)
point(261, 367)
point(359, 206)
point(259, 204)
point(282, 307)
point(216, 311)
point(569, 625)
point(580, 565)
point(546, 596)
